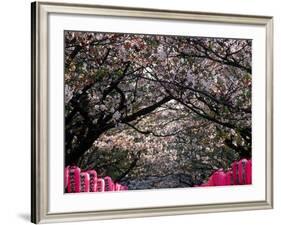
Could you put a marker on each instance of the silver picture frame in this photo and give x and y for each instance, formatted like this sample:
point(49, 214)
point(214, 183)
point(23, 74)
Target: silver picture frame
point(40, 101)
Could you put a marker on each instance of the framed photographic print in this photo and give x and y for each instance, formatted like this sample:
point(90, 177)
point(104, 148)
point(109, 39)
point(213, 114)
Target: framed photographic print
point(148, 112)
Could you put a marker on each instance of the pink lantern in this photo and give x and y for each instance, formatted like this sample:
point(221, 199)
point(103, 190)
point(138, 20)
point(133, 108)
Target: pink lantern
point(93, 180)
point(100, 185)
point(234, 166)
point(117, 187)
point(73, 179)
point(219, 178)
point(249, 172)
point(84, 182)
point(229, 178)
point(241, 171)
point(109, 185)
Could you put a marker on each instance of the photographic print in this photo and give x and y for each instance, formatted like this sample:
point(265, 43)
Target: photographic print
point(155, 111)
point(149, 112)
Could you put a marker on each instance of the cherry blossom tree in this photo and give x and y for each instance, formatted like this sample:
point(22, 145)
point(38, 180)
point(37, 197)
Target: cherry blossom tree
point(178, 103)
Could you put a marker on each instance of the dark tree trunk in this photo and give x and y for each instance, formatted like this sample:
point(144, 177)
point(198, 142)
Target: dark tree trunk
point(75, 154)
point(85, 144)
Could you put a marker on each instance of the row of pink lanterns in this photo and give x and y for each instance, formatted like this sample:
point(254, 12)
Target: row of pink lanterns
point(88, 181)
point(240, 173)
